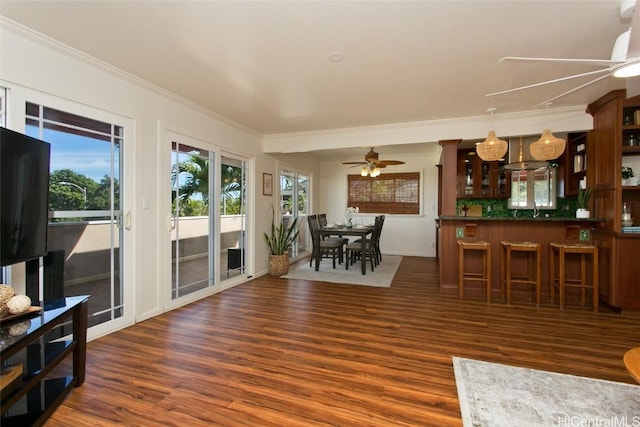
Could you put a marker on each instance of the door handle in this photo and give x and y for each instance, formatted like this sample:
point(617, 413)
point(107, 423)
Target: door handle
point(127, 220)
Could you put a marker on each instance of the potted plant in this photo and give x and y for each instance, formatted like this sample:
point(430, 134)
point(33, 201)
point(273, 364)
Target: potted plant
point(279, 242)
point(627, 174)
point(584, 194)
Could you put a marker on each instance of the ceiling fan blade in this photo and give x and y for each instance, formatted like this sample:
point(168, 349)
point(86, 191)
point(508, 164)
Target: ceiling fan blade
point(603, 62)
point(633, 51)
point(633, 86)
point(389, 163)
point(354, 163)
point(549, 81)
point(571, 91)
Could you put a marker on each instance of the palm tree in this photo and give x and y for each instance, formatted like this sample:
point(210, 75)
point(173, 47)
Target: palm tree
point(196, 181)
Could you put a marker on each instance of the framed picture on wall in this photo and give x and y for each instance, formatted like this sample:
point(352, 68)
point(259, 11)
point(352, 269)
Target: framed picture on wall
point(267, 184)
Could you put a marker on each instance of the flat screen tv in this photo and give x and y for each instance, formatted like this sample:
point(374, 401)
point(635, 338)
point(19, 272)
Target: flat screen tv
point(24, 197)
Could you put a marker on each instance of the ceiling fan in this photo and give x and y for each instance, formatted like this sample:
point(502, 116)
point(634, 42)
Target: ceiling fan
point(372, 163)
point(624, 62)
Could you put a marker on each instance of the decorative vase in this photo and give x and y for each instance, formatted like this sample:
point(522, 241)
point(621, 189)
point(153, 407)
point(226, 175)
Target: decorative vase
point(583, 213)
point(278, 265)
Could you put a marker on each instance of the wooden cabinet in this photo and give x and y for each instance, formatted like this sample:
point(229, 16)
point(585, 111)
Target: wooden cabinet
point(574, 162)
point(479, 179)
point(616, 121)
point(37, 349)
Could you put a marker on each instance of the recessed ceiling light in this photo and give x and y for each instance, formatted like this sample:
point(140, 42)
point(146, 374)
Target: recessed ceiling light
point(335, 57)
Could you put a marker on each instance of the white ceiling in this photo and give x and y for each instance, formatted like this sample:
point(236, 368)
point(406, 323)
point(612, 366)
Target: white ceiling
point(264, 64)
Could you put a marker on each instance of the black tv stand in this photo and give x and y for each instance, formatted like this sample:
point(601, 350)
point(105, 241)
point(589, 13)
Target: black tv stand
point(40, 352)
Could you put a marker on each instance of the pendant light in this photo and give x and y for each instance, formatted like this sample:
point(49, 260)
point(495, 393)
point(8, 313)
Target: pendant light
point(548, 147)
point(492, 148)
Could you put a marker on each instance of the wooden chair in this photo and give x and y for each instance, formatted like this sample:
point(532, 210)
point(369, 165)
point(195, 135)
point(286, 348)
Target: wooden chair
point(632, 362)
point(378, 252)
point(354, 249)
point(330, 248)
point(322, 222)
point(561, 251)
point(484, 277)
point(533, 269)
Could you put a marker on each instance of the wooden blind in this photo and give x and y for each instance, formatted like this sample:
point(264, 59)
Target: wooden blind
point(391, 193)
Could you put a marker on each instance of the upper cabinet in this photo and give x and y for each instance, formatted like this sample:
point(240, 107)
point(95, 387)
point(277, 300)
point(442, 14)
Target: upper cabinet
point(479, 179)
point(575, 162)
point(616, 127)
point(616, 122)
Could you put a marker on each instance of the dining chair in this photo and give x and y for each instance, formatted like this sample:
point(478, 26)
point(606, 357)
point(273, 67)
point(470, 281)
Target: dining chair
point(329, 248)
point(354, 249)
point(322, 222)
point(378, 222)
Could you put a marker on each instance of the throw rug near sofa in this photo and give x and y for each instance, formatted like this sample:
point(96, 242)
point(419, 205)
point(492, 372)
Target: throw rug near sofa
point(492, 394)
point(382, 276)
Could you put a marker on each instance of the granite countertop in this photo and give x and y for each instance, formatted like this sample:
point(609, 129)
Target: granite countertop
point(517, 218)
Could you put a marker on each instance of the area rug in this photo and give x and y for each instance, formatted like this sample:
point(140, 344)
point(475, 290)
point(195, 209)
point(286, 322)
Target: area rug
point(492, 394)
point(382, 276)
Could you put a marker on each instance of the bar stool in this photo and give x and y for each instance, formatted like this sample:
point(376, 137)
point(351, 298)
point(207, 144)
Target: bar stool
point(533, 268)
point(485, 276)
point(561, 251)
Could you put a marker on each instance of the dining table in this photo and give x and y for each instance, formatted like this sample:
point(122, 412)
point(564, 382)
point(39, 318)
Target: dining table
point(360, 231)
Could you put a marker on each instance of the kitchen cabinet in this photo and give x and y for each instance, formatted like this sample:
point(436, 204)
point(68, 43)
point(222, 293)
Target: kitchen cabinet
point(479, 179)
point(575, 162)
point(616, 123)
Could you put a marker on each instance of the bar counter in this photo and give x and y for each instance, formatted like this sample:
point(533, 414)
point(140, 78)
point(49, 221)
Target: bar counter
point(494, 230)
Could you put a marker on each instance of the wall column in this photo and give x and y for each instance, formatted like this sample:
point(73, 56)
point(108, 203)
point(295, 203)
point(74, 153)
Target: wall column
point(449, 162)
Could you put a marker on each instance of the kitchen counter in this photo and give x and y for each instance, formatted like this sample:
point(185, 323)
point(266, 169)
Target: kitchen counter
point(518, 218)
point(494, 230)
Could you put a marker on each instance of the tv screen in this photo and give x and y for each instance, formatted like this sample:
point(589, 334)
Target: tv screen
point(24, 197)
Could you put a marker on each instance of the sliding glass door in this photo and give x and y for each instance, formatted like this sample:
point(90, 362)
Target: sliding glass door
point(192, 226)
point(88, 221)
point(233, 217)
point(294, 203)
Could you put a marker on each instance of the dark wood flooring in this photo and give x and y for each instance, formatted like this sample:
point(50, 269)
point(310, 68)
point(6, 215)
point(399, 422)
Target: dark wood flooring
point(274, 352)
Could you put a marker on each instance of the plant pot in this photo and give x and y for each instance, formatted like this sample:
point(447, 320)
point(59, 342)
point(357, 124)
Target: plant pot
point(583, 213)
point(278, 265)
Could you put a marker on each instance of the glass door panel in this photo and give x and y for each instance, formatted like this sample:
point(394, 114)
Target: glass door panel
point(192, 267)
point(294, 203)
point(86, 224)
point(233, 217)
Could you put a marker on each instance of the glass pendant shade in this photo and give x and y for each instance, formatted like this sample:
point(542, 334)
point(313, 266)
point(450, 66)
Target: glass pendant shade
point(548, 147)
point(370, 170)
point(492, 148)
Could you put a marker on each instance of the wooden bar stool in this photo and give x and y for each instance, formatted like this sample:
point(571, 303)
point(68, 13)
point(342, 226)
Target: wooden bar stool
point(485, 276)
point(561, 251)
point(533, 268)
point(632, 362)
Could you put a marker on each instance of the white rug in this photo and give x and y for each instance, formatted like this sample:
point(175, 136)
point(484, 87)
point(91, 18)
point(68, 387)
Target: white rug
point(492, 394)
point(382, 276)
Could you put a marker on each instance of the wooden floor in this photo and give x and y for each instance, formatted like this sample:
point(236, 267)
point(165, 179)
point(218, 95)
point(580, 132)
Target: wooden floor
point(284, 353)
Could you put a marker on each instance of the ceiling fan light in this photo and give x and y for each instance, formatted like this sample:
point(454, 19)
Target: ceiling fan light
point(548, 147)
point(375, 172)
point(631, 69)
point(492, 148)
point(364, 171)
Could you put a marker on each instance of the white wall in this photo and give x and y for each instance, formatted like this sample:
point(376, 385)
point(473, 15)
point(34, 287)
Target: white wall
point(32, 64)
point(402, 234)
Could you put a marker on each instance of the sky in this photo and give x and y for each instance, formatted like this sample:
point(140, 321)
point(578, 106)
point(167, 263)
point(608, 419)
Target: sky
point(86, 156)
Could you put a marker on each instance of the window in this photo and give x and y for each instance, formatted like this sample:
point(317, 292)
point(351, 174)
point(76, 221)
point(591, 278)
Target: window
point(392, 193)
point(533, 189)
